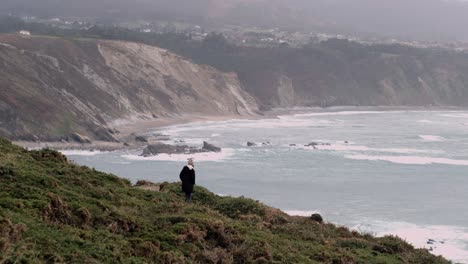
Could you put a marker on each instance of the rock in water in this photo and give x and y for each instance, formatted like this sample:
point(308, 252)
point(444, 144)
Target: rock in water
point(161, 148)
point(209, 147)
point(315, 144)
point(251, 144)
point(317, 218)
point(141, 139)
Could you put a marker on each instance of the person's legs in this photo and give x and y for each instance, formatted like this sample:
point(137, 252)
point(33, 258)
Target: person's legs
point(188, 197)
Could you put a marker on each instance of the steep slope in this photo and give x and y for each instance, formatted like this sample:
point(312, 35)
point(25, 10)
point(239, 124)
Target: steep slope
point(52, 211)
point(52, 88)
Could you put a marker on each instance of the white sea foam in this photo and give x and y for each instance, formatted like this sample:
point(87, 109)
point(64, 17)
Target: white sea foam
point(187, 141)
point(244, 150)
point(208, 156)
point(351, 147)
point(431, 138)
point(345, 113)
point(448, 241)
point(410, 160)
point(233, 125)
point(456, 115)
point(81, 152)
point(424, 121)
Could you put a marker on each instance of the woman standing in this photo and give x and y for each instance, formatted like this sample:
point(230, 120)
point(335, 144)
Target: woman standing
point(187, 176)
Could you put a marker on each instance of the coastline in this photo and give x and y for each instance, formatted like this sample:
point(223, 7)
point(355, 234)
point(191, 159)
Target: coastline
point(442, 241)
point(131, 127)
point(128, 130)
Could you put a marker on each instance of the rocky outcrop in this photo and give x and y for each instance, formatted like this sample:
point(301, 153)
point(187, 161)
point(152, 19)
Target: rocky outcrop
point(142, 139)
point(54, 87)
point(315, 144)
point(161, 148)
point(79, 138)
point(317, 218)
point(210, 148)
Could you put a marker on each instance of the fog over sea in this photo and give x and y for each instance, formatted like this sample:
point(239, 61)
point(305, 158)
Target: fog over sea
point(401, 172)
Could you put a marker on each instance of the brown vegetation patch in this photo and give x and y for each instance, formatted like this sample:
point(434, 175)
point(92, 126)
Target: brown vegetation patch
point(57, 211)
point(254, 251)
point(10, 234)
point(191, 234)
point(49, 155)
point(85, 216)
point(216, 256)
point(146, 249)
point(149, 186)
point(122, 226)
point(223, 236)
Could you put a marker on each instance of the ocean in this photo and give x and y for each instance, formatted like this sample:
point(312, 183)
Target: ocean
point(400, 172)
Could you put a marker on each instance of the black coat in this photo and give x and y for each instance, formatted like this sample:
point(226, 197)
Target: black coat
point(187, 176)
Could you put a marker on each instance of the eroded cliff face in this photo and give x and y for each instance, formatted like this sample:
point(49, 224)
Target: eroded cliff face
point(51, 88)
point(314, 78)
point(341, 72)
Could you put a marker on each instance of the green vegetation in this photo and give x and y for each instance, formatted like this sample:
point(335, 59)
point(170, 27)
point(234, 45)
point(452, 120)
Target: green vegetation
point(54, 211)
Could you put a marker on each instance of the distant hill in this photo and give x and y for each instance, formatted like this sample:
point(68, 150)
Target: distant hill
point(53, 211)
point(436, 20)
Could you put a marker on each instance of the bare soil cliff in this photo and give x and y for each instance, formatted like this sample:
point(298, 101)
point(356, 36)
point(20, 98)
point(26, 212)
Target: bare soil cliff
point(61, 89)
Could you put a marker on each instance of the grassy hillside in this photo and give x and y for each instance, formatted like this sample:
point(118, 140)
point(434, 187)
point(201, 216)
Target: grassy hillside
point(54, 211)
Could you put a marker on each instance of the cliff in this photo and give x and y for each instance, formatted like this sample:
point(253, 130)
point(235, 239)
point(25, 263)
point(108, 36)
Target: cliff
point(53, 211)
point(341, 72)
point(68, 88)
point(59, 88)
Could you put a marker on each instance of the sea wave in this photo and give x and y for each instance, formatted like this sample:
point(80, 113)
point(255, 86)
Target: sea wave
point(424, 121)
point(432, 138)
point(410, 160)
point(448, 241)
point(82, 152)
point(456, 115)
point(351, 147)
point(343, 113)
point(207, 156)
point(232, 125)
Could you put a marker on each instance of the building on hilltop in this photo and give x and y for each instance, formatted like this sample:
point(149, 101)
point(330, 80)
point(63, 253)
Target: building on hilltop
point(24, 33)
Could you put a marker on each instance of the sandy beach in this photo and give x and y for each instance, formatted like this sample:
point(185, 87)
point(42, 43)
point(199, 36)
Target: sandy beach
point(128, 129)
